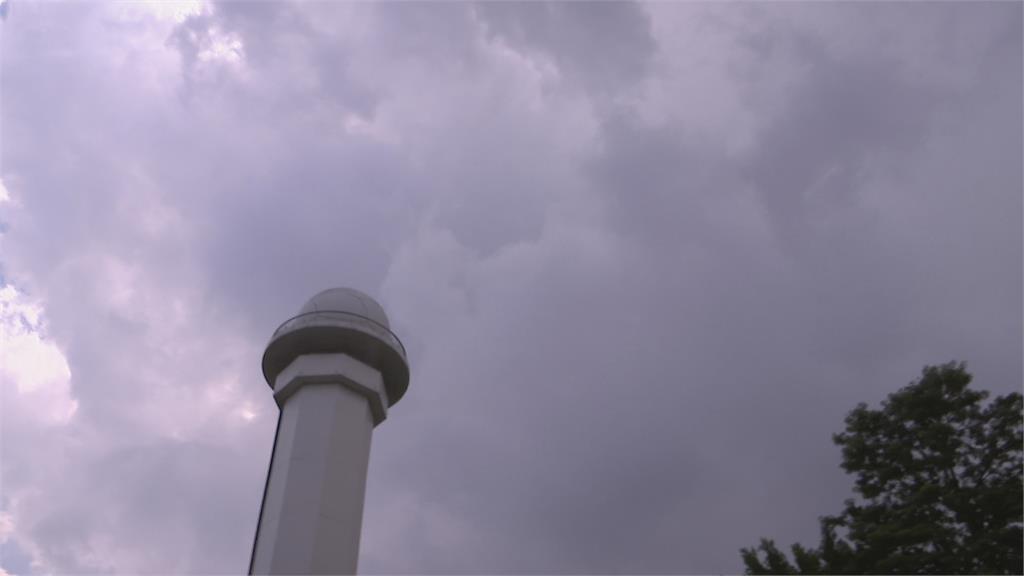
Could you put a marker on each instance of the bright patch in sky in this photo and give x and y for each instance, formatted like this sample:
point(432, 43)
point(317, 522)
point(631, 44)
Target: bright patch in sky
point(223, 47)
point(169, 10)
point(246, 412)
point(30, 364)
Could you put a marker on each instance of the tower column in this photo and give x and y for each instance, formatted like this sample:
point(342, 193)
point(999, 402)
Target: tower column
point(334, 369)
point(313, 508)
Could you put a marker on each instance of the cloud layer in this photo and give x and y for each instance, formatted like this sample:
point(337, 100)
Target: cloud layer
point(644, 257)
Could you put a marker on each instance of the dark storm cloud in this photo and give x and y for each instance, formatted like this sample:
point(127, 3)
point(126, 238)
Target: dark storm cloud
point(605, 46)
point(821, 312)
point(644, 257)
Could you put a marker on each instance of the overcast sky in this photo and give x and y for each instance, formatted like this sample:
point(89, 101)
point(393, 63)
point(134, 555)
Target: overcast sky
point(644, 258)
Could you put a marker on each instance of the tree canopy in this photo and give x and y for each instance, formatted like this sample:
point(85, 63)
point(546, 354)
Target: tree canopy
point(939, 477)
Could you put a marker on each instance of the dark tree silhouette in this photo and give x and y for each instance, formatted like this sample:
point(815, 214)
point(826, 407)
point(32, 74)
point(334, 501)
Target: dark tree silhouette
point(939, 482)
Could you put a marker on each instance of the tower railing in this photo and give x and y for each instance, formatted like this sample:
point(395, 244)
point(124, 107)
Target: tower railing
point(379, 330)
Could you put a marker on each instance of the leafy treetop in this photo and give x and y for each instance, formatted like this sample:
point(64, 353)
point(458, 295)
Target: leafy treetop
point(939, 478)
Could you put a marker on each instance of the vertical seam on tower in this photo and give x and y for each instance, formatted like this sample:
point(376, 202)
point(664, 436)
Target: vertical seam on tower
point(266, 485)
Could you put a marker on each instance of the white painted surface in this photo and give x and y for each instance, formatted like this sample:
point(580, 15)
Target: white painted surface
point(347, 300)
point(313, 507)
point(334, 369)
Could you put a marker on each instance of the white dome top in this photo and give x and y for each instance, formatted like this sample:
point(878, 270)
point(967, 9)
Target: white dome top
point(347, 300)
point(346, 321)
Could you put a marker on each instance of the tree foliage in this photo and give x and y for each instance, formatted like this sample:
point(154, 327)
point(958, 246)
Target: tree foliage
point(939, 478)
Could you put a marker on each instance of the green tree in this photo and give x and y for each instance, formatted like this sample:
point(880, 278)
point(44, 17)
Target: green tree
point(939, 483)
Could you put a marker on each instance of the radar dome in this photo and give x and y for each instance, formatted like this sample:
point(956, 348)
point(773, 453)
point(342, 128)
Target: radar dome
point(341, 320)
point(348, 300)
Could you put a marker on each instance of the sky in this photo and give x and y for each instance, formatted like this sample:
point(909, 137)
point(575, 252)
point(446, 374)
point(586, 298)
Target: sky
point(644, 258)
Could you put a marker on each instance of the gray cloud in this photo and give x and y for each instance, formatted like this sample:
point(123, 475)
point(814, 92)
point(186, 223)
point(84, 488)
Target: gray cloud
point(644, 258)
point(605, 46)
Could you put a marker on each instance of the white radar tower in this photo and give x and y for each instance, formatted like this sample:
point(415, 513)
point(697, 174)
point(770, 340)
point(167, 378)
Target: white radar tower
point(335, 369)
